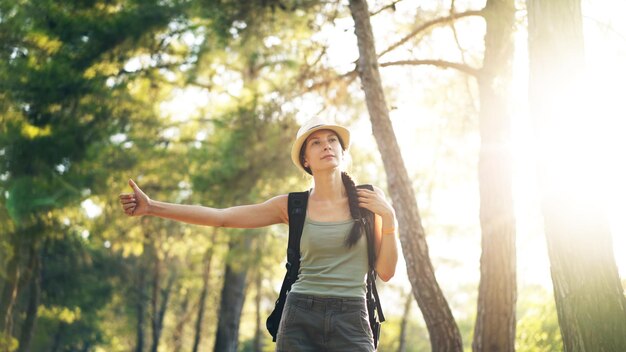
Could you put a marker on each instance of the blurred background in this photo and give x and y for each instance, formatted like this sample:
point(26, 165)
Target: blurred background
point(199, 101)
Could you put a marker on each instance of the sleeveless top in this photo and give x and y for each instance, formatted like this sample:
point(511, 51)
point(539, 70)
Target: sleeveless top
point(328, 268)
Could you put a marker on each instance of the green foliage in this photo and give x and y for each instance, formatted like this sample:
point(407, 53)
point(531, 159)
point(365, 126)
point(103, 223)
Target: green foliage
point(537, 325)
point(416, 335)
point(81, 87)
point(72, 299)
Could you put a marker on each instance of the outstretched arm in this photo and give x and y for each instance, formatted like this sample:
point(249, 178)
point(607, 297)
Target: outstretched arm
point(272, 211)
point(384, 225)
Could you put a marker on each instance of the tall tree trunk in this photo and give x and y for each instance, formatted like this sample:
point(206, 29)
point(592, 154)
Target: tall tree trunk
point(589, 296)
point(258, 334)
point(9, 294)
point(154, 302)
point(28, 327)
point(444, 333)
point(405, 322)
point(497, 293)
point(141, 299)
point(231, 303)
point(58, 337)
point(178, 334)
point(203, 294)
point(160, 314)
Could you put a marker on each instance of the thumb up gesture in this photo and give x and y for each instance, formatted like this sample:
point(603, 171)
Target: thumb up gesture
point(135, 203)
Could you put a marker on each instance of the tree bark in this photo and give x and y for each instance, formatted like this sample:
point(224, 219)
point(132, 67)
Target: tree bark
point(141, 299)
point(30, 322)
point(231, 304)
point(497, 293)
point(160, 314)
point(404, 323)
point(178, 334)
point(9, 294)
point(156, 283)
point(589, 296)
point(203, 294)
point(58, 337)
point(258, 334)
point(444, 333)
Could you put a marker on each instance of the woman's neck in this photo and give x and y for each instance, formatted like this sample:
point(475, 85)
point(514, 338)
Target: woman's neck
point(328, 186)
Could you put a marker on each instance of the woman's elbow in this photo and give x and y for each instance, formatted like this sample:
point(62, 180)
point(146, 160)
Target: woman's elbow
point(386, 275)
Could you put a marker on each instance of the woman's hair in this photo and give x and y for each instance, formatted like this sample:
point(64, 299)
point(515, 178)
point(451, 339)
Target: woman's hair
point(355, 211)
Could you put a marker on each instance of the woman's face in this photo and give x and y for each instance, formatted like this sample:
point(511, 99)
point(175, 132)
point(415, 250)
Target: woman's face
point(323, 151)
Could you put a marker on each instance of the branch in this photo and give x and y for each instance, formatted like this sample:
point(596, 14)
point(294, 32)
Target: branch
point(392, 6)
point(317, 85)
point(430, 24)
point(438, 63)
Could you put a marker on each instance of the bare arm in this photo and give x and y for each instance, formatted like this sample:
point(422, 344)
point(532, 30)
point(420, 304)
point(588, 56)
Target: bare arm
point(272, 211)
point(384, 222)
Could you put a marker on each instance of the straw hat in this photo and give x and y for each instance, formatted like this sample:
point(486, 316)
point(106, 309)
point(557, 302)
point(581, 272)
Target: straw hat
point(316, 124)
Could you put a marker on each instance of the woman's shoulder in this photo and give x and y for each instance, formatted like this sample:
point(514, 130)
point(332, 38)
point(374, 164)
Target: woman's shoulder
point(279, 200)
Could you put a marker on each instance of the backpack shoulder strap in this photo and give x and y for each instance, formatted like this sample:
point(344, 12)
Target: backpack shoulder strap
point(369, 223)
point(372, 292)
point(296, 208)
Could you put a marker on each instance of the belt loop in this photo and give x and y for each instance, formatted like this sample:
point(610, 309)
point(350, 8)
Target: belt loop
point(344, 305)
point(309, 302)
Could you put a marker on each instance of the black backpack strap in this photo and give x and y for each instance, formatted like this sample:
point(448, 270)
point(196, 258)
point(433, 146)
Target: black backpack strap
point(296, 208)
point(368, 218)
point(375, 310)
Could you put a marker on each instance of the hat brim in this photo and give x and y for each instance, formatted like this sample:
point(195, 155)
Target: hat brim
point(342, 132)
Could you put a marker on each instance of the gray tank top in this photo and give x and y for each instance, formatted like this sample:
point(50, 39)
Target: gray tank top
point(327, 266)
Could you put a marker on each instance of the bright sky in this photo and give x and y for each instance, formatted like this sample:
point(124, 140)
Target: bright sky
point(423, 134)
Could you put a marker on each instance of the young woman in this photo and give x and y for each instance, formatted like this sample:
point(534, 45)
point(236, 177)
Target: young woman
point(325, 309)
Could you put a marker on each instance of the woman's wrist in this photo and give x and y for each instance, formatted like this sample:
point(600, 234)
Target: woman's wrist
point(389, 218)
point(389, 231)
point(389, 223)
point(150, 207)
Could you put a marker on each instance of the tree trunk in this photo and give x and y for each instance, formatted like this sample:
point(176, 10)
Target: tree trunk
point(231, 304)
point(58, 337)
point(444, 333)
point(141, 298)
point(405, 322)
point(589, 296)
point(497, 293)
point(203, 294)
point(9, 295)
point(177, 335)
point(154, 302)
point(160, 314)
point(30, 322)
point(259, 326)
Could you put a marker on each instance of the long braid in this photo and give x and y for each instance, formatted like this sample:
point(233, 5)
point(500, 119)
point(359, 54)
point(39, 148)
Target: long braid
point(355, 211)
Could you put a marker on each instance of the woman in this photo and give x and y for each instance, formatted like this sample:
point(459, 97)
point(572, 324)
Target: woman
point(325, 309)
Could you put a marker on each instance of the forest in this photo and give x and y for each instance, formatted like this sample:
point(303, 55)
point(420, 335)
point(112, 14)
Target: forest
point(494, 127)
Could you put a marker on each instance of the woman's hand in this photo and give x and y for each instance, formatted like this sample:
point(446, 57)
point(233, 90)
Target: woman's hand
point(385, 231)
point(375, 202)
point(136, 203)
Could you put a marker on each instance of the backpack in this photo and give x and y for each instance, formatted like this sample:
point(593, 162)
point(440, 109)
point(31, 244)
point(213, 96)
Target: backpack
point(296, 208)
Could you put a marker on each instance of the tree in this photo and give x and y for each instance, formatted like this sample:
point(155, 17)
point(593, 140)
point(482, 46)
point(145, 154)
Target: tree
point(589, 297)
point(495, 319)
point(58, 107)
point(444, 333)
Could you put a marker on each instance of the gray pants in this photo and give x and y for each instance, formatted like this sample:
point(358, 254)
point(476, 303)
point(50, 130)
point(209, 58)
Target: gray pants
point(311, 323)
